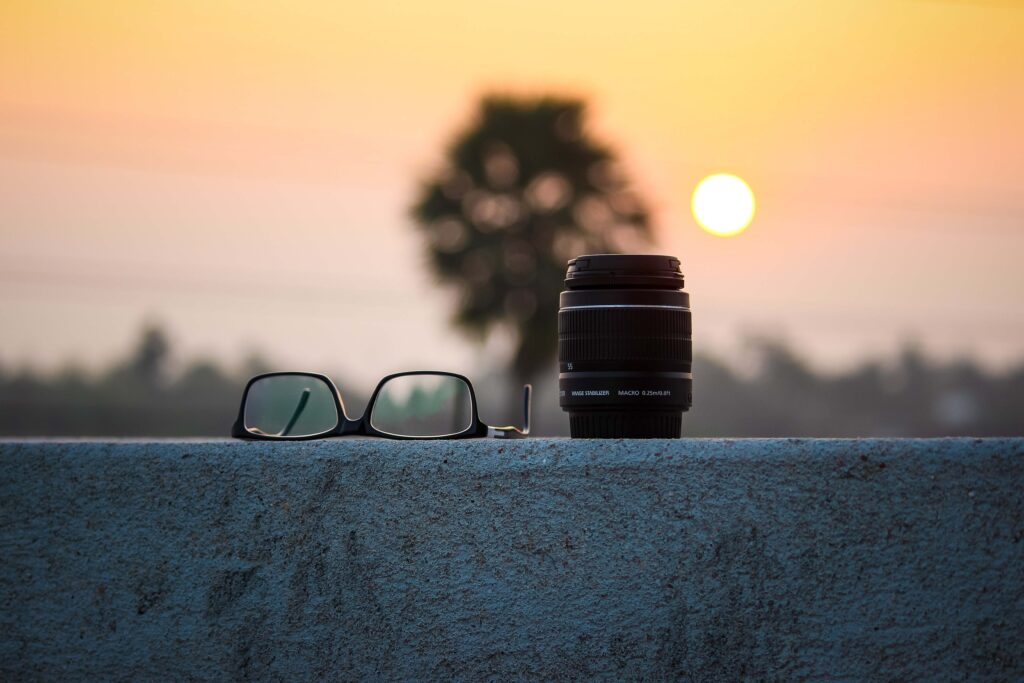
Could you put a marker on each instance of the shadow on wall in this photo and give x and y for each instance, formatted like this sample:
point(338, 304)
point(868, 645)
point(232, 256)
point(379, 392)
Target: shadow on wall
point(909, 395)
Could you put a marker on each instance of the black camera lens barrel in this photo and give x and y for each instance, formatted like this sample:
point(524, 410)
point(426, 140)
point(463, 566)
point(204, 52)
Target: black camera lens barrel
point(624, 347)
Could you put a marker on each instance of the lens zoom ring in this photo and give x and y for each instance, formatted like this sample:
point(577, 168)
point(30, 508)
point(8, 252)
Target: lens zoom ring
point(599, 334)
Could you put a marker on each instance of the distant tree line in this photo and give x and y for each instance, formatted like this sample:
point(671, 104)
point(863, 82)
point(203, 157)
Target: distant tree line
point(909, 395)
point(138, 396)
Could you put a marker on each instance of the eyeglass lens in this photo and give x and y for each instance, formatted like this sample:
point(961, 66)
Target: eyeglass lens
point(290, 406)
point(423, 406)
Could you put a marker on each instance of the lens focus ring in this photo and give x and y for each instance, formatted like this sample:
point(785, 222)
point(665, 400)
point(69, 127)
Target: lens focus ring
point(591, 336)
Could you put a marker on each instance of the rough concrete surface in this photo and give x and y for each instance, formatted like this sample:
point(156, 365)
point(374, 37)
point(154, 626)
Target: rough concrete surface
point(502, 560)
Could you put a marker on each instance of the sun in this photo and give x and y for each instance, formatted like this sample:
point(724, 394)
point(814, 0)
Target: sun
point(723, 204)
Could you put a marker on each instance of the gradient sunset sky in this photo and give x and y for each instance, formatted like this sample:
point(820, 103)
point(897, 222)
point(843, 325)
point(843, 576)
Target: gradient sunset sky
point(242, 171)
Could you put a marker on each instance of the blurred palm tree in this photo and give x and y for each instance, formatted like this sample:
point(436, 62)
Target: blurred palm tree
point(522, 190)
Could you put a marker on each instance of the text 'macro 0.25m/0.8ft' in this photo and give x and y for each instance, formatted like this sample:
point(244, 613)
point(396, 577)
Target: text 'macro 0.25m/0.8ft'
point(624, 347)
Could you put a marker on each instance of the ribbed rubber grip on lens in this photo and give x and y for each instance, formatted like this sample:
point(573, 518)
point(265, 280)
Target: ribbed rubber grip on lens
point(625, 425)
point(622, 334)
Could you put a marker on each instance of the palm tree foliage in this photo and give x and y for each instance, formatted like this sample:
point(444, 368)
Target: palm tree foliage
point(522, 190)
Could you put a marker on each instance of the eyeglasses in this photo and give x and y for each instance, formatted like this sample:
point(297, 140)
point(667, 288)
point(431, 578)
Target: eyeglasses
point(293, 406)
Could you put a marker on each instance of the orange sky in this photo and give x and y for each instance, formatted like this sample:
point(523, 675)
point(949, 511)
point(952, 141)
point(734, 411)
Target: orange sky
point(167, 159)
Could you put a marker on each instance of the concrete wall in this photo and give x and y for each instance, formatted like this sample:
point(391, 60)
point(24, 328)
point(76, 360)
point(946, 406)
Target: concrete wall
point(544, 559)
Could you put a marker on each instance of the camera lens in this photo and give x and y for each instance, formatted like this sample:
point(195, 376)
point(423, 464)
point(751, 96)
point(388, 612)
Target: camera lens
point(624, 347)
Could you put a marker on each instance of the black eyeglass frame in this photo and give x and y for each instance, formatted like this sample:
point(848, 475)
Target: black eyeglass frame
point(361, 426)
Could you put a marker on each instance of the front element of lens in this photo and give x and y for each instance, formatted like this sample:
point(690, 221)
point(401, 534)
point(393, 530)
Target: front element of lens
point(624, 347)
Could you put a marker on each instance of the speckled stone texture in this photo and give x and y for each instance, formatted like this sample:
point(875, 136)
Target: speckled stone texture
point(503, 560)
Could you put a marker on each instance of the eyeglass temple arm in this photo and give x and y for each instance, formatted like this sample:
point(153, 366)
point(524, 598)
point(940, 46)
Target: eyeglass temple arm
point(303, 400)
point(516, 432)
